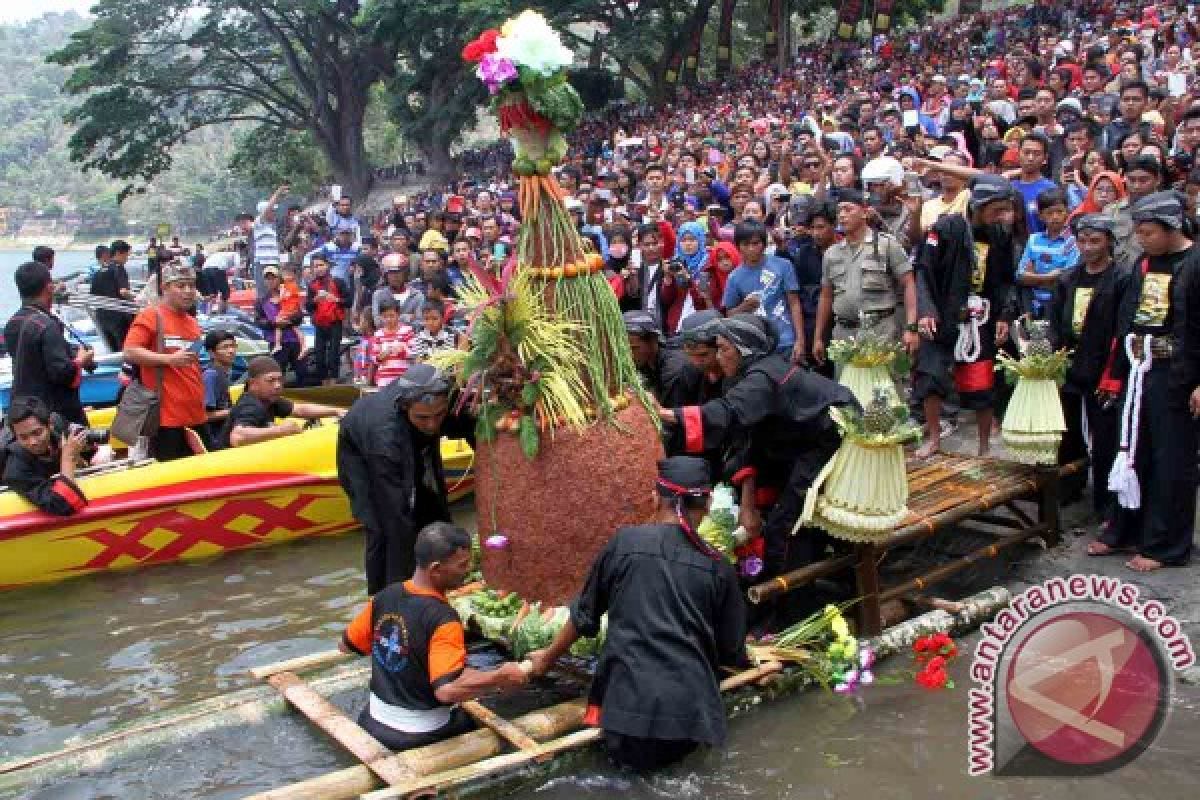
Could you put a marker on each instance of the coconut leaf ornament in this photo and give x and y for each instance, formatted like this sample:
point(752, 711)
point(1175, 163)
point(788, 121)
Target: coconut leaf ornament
point(868, 361)
point(862, 493)
point(1034, 424)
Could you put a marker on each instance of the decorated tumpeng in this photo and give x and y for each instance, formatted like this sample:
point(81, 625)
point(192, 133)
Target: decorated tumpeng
point(566, 443)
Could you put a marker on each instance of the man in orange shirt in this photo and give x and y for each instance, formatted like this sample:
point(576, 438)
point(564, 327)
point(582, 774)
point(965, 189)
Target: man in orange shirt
point(418, 656)
point(163, 344)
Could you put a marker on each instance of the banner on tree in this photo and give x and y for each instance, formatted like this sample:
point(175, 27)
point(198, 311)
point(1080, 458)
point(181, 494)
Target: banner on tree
point(883, 15)
point(848, 17)
point(725, 37)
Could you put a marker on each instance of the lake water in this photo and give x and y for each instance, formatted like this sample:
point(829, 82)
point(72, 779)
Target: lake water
point(64, 263)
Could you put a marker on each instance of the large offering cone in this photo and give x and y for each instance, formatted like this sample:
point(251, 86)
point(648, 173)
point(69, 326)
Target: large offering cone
point(1034, 424)
point(865, 496)
point(557, 510)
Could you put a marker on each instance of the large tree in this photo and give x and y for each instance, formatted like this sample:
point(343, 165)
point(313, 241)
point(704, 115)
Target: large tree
point(151, 72)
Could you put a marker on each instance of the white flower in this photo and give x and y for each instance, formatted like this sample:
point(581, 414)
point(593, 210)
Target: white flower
point(528, 41)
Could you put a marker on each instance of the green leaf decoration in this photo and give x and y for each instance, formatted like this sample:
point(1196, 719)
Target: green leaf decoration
point(528, 434)
point(485, 423)
point(530, 393)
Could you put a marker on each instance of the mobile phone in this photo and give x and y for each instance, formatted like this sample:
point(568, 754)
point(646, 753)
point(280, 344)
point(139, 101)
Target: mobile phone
point(912, 184)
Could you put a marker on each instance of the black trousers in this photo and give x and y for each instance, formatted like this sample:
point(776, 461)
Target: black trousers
point(460, 722)
point(288, 355)
point(1165, 461)
point(782, 551)
point(171, 444)
point(646, 755)
point(1102, 429)
point(327, 351)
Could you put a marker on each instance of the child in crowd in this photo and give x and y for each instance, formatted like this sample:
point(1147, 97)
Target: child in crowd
point(435, 336)
point(328, 299)
point(1048, 254)
point(291, 302)
point(222, 350)
point(390, 353)
point(362, 351)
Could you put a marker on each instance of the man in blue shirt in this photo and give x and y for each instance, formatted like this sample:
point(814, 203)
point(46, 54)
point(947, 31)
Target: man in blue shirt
point(1034, 153)
point(766, 285)
point(341, 252)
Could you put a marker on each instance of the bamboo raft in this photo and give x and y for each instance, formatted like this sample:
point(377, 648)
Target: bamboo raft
point(499, 752)
point(979, 494)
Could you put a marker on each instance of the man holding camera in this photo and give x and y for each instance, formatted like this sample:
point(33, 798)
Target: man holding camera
point(41, 459)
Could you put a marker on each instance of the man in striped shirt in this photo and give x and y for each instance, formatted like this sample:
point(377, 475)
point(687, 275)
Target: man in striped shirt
point(266, 240)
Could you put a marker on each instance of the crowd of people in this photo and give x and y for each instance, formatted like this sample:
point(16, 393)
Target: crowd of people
point(949, 189)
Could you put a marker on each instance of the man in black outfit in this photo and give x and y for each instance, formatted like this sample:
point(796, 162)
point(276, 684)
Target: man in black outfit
point(675, 617)
point(389, 462)
point(665, 371)
point(113, 281)
point(39, 463)
point(45, 365)
point(252, 418)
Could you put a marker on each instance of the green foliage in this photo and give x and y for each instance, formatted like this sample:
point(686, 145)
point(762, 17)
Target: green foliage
point(527, 434)
point(267, 157)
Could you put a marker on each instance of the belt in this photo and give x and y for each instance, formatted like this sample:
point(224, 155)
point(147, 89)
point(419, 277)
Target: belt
point(1162, 348)
point(864, 316)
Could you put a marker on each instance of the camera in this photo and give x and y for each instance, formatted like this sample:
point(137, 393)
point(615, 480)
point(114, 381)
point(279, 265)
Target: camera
point(94, 437)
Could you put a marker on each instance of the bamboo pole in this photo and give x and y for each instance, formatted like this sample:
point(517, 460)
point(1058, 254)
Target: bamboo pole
point(301, 664)
point(469, 773)
point(490, 719)
point(343, 730)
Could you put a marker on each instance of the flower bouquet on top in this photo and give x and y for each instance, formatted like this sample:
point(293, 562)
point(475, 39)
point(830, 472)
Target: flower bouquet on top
point(862, 493)
point(524, 66)
point(1034, 423)
point(869, 361)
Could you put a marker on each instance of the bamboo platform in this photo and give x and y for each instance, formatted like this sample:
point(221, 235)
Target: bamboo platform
point(981, 494)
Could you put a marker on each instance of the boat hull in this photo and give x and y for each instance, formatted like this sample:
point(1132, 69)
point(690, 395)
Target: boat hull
point(192, 509)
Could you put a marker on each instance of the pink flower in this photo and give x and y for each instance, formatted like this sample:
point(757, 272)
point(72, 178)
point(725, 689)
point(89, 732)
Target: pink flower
point(495, 72)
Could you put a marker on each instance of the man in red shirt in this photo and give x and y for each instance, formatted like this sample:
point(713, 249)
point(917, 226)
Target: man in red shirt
point(163, 344)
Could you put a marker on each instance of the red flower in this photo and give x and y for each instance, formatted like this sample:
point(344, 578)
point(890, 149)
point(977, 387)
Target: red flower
point(921, 645)
point(486, 43)
point(932, 678)
point(936, 663)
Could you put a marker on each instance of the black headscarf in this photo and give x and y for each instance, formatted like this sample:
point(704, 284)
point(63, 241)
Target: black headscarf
point(679, 478)
point(750, 334)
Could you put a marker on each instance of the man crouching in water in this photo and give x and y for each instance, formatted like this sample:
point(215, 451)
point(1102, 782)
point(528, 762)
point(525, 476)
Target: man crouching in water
point(418, 656)
point(675, 616)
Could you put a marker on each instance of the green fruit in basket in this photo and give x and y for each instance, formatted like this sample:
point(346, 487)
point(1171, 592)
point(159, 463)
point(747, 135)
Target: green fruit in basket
point(544, 165)
point(878, 416)
point(523, 165)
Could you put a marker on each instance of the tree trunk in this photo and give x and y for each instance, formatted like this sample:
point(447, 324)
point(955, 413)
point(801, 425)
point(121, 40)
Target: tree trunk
point(339, 132)
point(435, 150)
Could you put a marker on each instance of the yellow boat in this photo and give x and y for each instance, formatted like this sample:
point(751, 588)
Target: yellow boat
point(194, 508)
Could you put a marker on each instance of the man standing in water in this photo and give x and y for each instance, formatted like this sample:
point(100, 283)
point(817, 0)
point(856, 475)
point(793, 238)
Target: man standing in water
point(675, 616)
point(418, 653)
point(390, 464)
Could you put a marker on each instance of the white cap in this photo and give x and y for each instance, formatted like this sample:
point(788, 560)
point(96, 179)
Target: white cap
point(883, 169)
point(262, 207)
point(573, 203)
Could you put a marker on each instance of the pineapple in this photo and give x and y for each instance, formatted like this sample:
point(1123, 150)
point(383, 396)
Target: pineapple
point(1039, 339)
point(878, 417)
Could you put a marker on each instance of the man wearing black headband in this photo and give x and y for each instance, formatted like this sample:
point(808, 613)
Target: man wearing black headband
point(1158, 357)
point(390, 464)
point(965, 270)
point(774, 426)
point(675, 617)
point(1083, 319)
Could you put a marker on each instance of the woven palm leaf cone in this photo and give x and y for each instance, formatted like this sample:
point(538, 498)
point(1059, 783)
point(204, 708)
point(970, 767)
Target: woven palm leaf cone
point(864, 490)
point(558, 509)
point(863, 380)
point(1034, 424)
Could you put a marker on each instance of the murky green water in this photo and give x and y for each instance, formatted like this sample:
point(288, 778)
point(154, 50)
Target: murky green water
point(79, 657)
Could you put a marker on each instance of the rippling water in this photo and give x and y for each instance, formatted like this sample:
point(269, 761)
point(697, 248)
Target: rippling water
point(82, 656)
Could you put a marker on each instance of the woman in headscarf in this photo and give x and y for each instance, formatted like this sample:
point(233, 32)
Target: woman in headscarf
point(773, 422)
point(690, 247)
point(1105, 189)
point(723, 259)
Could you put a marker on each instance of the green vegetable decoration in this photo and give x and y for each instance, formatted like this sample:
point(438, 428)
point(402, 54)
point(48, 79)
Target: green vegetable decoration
point(548, 345)
point(868, 361)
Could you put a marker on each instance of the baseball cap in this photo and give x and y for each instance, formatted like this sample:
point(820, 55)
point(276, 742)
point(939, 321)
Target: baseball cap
point(176, 271)
point(271, 270)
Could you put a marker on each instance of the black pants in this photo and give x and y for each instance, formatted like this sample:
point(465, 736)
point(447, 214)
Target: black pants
point(288, 355)
point(460, 722)
point(646, 755)
point(1102, 428)
point(327, 351)
point(784, 552)
point(171, 444)
point(1165, 462)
